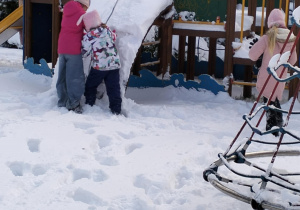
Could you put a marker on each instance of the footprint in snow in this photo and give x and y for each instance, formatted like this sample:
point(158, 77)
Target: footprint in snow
point(104, 141)
point(107, 161)
point(19, 168)
point(96, 176)
point(87, 127)
point(99, 176)
point(33, 145)
point(130, 135)
point(80, 174)
point(87, 197)
point(130, 148)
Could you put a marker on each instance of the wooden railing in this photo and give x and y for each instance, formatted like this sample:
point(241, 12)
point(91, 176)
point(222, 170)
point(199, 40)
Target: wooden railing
point(167, 31)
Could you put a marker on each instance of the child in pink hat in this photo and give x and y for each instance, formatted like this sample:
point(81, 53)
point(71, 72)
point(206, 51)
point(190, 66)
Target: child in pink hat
point(99, 41)
point(271, 44)
point(70, 82)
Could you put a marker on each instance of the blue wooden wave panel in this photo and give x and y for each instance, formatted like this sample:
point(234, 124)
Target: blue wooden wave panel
point(41, 68)
point(147, 79)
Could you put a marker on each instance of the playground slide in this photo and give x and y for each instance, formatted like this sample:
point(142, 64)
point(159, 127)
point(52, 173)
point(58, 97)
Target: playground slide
point(10, 25)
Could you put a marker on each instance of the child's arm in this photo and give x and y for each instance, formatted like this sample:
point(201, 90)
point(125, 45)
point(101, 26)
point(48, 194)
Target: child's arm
point(258, 48)
point(86, 47)
point(113, 33)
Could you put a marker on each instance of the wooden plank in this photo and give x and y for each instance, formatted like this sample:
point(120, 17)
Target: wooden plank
point(243, 61)
point(230, 28)
point(191, 58)
point(41, 1)
point(56, 20)
point(244, 83)
point(137, 63)
point(252, 4)
point(151, 43)
point(270, 6)
point(150, 63)
point(165, 43)
point(169, 28)
point(207, 33)
point(28, 29)
point(293, 83)
point(198, 22)
point(212, 56)
point(162, 52)
point(11, 19)
point(187, 32)
point(247, 90)
point(181, 54)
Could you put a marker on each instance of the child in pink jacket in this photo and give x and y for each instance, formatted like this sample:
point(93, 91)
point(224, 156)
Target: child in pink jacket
point(270, 44)
point(71, 79)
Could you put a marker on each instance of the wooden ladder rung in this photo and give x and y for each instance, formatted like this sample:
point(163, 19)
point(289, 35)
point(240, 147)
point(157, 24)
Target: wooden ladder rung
point(151, 43)
point(150, 63)
point(250, 84)
point(244, 83)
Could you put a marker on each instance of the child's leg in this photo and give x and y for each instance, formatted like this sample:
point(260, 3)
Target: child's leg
point(270, 116)
point(274, 118)
point(75, 80)
point(279, 120)
point(61, 86)
point(112, 82)
point(94, 78)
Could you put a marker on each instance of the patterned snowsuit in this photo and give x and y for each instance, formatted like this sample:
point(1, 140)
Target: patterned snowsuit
point(105, 66)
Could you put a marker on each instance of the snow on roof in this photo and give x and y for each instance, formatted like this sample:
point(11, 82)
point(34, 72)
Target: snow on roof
point(131, 20)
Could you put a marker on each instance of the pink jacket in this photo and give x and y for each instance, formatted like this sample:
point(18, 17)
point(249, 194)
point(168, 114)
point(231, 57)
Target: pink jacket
point(70, 36)
point(261, 47)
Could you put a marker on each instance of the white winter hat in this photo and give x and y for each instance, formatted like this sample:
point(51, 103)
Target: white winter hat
point(91, 20)
point(84, 2)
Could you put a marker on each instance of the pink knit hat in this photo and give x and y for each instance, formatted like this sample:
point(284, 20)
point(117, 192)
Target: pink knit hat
point(91, 20)
point(84, 2)
point(276, 17)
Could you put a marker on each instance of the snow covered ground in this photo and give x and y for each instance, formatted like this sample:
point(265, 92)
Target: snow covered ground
point(153, 159)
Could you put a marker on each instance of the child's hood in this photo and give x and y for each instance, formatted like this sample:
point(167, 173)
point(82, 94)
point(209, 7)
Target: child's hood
point(97, 32)
point(282, 35)
point(73, 8)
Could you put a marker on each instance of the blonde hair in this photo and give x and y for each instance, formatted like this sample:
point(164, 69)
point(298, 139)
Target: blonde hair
point(272, 34)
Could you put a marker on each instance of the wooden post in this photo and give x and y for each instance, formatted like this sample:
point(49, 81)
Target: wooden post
point(293, 83)
point(247, 92)
point(191, 58)
point(181, 54)
point(169, 23)
point(212, 56)
point(252, 4)
point(28, 29)
point(137, 63)
point(270, 6)
point(165, 46)
point(56, 20)
point(230, 31)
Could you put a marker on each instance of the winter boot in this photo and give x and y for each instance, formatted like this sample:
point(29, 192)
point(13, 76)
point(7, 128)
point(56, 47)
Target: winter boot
point(78, 109)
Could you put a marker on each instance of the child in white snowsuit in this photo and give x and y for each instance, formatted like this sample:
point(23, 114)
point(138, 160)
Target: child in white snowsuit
point(100, 41)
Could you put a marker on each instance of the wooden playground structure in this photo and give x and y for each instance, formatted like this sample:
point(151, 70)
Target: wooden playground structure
point(165, 46)
point(45, 14)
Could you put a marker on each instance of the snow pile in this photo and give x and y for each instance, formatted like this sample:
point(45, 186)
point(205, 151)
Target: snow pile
point(131, 20)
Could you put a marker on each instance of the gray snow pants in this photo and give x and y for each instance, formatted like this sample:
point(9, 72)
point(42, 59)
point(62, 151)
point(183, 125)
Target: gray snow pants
point(71, 81)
